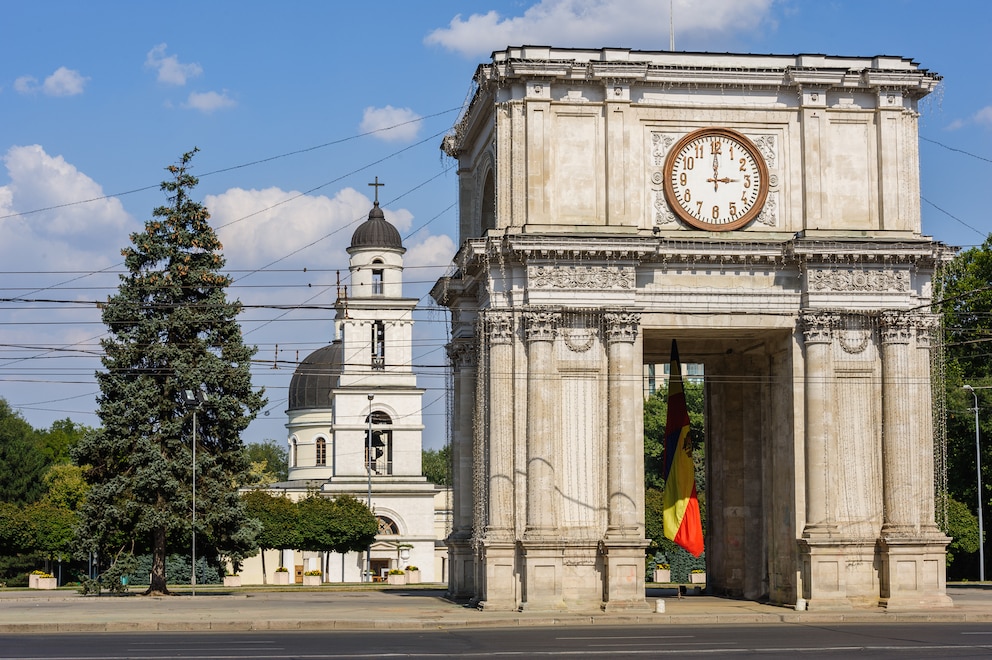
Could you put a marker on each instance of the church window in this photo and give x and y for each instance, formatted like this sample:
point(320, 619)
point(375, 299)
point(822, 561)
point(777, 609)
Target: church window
point(387, 526)
point(377, 287)
point(378, 345)
point(489, 203)
point(292, 453)
point(321, 451)
point(379, 449)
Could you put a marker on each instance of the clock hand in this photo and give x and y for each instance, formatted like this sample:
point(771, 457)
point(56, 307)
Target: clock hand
point(716, 172)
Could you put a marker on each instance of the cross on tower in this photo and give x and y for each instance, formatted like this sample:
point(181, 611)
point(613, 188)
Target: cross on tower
point(377, 186)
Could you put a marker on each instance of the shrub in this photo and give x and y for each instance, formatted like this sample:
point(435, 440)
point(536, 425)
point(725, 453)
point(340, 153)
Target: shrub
point(412, 568)
point(396, 571)
point(313, 573)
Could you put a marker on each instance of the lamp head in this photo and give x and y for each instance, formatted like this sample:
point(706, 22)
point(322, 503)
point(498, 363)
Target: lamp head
point(968, 387)
point(371, 396)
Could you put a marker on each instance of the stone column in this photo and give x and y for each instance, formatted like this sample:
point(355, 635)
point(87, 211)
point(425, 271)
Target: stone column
point(899, 407)
point(912, 575)
point(498, 543)
point(461, 573)
point(624, 390)
point(499, 332)
point(818, 339)
point(623, 546)
point(542, 507)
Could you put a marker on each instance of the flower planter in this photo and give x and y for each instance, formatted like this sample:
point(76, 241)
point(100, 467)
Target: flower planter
point(312, 580)
point(232, 580)
point(413, 577)
point(697, 578)
point(662, 575)
point(282, 577)
point(32, 580)
point(396, 579)
point(47, 583)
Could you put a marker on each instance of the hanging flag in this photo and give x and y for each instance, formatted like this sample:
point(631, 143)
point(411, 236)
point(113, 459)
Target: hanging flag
point(679, 503)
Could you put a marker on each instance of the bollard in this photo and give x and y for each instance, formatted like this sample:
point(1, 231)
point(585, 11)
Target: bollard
point(659, 606)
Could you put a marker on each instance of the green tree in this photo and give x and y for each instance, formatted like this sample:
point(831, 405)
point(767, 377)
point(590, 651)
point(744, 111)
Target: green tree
point(56, 441)
point(21, 462)
point(437, 465)
point(49, 529)
point(171, 328)
point(341, 525)
point(65, 486)
point(270, 461)
point(964, 294)
point(277, 518)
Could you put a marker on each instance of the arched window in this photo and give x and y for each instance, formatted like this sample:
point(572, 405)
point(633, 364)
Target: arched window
point(321, 451)
point(387, 526)
point(292, 453)
point(489, 203)
point(380, 460)
point(378, 345)
point(377, 282)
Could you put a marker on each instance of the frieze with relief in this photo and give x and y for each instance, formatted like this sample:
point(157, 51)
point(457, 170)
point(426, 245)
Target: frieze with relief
point(580, 277)
point(859, 280)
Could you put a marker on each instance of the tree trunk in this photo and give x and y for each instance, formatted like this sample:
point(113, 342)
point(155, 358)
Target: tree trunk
point(157, 584)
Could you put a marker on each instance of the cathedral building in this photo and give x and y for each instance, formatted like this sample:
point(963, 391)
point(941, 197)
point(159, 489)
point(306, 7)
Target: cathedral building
point(354, 422)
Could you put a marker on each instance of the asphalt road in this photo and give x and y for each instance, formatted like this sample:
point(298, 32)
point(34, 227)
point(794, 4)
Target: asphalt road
point(944, 640)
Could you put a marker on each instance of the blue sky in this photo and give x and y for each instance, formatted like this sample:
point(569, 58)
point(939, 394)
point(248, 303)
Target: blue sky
point(291, 105)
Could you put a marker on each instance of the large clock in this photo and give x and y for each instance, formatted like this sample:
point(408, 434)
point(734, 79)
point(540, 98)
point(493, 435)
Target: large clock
point(715, 179)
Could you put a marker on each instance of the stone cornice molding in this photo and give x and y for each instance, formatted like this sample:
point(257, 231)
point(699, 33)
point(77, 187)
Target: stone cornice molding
point(541, 323)
point(858, 279)
point(621, 326)
point(581, 277)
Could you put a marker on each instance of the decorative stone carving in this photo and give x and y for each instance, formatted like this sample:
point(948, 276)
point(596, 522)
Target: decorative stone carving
point(895, 327)
point(499, 327)
point(622, 326)
point(859, 280)
point(580, 277)
point(927, 326)
point(542, 323)
point(462, 354)
point(818, 327)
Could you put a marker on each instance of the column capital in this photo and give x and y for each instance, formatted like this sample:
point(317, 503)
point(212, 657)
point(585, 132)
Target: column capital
point(463, 354)
point(621, 326)
point(818, 327)
point(895, 327)
point(926, 326)
point(497, 327)
point(542, 323)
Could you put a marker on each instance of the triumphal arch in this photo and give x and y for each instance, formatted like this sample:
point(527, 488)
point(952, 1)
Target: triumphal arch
point(763, 211)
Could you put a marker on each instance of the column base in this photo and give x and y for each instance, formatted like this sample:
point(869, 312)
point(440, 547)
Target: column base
point(500, 586)
point(913, 573)
point(837, 574)
point(462, 583)
point(624, 574)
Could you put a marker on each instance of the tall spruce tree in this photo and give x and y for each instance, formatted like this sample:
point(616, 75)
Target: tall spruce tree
point(171, 328)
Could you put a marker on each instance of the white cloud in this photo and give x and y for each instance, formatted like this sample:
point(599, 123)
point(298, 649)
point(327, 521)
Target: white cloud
point(208, 102)
point(170, 70)
point(984, 116)
point(63, 82)
point(392, 124)
point(73, 234)
point(595, 23)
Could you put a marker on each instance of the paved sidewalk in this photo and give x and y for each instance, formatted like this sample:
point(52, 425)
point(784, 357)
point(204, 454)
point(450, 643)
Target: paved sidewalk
point(331, 608)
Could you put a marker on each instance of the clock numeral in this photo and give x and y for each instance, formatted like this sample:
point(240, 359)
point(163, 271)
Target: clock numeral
point(747, 180)
point(699, 151)
point(699, 209)
point(690, 162)
point(743, 162)
point(731, 152)
point(744, 195)
point(683, 179)
point(733, 208)
point(716, 212)
point(715, 147)
point(687, 196)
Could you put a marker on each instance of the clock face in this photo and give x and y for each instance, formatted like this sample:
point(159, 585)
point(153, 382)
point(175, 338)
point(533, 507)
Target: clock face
point(716, 179)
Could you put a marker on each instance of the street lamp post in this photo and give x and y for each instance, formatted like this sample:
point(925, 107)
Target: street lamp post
point(194, 399)
point(368, 470)
point(978, 463)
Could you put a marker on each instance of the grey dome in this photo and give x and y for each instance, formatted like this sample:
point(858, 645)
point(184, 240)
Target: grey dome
point(376, 232)
point(315, 378)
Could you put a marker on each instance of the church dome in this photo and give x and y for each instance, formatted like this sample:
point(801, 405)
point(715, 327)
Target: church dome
point(315, 378)
point(376, 232)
